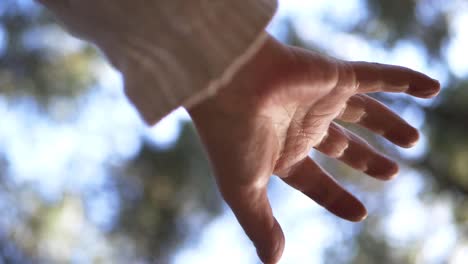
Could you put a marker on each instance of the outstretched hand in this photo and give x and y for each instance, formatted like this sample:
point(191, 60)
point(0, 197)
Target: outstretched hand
point(282, 104)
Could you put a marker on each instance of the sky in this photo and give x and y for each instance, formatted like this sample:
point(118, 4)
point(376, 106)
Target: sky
point(306, 226)
point(43, 158)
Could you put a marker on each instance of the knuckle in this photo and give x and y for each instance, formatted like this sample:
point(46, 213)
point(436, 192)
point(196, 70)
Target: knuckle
point(347, 80)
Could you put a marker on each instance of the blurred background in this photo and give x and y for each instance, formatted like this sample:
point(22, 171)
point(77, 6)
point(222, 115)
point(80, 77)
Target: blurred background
point(82, 180)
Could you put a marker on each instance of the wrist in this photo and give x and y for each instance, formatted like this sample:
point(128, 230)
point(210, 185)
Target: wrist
point(248, 86)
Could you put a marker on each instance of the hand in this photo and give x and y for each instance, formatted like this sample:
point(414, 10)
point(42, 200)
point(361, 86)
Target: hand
point(277, 108)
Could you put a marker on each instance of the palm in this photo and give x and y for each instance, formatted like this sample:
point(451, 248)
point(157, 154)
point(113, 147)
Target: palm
point(267, 122)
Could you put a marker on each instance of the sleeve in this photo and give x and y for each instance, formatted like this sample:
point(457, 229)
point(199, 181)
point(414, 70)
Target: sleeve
point(171, 52)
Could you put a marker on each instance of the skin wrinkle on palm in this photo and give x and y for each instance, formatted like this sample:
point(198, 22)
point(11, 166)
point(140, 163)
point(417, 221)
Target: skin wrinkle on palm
point(296, 256)
point(397, 231)
point(310, 113)
point(328, 198)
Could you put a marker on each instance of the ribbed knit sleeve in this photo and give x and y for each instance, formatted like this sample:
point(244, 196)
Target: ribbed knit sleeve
point(171, 52)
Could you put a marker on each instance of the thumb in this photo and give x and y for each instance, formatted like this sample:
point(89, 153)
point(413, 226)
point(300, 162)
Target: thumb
point(253, 211)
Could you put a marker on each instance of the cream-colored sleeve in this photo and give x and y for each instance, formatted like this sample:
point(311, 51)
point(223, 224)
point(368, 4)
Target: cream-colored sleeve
point(171, 52)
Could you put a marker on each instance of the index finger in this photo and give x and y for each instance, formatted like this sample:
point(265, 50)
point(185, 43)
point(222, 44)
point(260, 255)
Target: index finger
point(376, 77)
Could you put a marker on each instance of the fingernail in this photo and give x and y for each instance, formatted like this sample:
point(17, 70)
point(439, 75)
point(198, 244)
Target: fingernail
point(362, 218)
point(432, 88)
point(412, 137)
point(436, 82)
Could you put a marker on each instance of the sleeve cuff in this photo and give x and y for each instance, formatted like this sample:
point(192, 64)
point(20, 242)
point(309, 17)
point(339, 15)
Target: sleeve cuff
point(170, 52)
point(191, 55)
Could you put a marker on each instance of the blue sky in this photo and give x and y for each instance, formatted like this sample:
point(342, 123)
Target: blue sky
point(41, 151)
point(307, 227)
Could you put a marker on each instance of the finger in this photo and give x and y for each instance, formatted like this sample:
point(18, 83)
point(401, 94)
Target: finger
point(357, 153)
point(375, 77)
point(309, 178)
point(253, 211)
point(375, 116)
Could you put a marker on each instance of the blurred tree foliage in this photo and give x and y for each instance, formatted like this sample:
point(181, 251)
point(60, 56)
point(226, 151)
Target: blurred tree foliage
point(30, 66)
point(423, 21)
point(158, 189)
point(426, 23)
